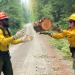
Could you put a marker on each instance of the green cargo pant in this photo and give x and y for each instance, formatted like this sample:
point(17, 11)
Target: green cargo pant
point(5, 64)
point(72, 50)
point(74, 64)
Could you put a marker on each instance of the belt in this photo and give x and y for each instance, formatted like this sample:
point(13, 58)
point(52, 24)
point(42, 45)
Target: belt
point(4, 52)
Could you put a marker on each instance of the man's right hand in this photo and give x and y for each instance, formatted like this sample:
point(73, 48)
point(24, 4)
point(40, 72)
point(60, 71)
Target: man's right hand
point(26, 38)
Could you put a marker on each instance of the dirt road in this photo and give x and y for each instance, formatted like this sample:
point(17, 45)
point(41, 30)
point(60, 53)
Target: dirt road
point(37, 57)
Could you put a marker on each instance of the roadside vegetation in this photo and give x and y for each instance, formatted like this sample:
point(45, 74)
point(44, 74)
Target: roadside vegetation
point(63, 47)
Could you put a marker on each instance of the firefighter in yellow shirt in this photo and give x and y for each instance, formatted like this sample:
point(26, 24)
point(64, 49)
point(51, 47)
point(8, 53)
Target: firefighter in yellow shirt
point(5, 40)
point(69, 34)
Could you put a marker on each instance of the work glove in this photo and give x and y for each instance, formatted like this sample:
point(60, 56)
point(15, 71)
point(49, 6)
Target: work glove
point(26, 38)
point(19, 34)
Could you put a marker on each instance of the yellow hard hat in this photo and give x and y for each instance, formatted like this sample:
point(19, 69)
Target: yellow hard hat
point(72, 17)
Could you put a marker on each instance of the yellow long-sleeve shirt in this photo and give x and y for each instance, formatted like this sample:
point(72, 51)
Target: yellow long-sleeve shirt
point(6, 41)
point(69, 34)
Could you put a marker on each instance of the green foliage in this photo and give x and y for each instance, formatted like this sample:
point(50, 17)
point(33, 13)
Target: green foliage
point(62, 45)
point(14, 25)
point(14, 10)
point(57, 10)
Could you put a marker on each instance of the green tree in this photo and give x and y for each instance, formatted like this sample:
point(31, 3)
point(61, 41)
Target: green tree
point(57, 10)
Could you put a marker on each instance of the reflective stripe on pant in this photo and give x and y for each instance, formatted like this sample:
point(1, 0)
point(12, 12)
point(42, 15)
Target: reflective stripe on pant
point(5, 65)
